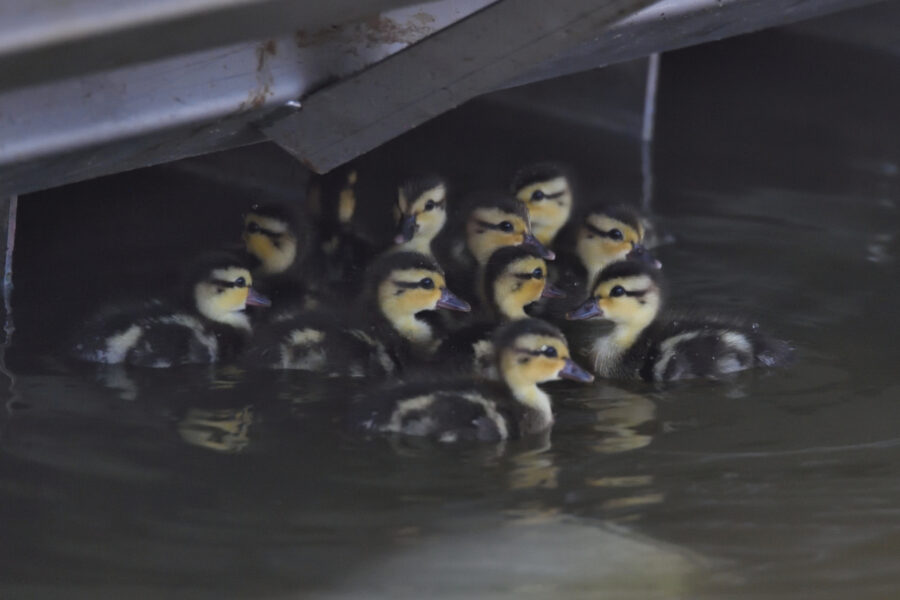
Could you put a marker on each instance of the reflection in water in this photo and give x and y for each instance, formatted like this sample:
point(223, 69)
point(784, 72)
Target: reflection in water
point(222, 430)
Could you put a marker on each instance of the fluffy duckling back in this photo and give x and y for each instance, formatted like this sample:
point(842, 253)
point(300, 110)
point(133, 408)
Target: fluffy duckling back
point(642, 344)
point(421, 213)
point(382, 333)
point(545, 189)
point(529, 352)
point(207, 324)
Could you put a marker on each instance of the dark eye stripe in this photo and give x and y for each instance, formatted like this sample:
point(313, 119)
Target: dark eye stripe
point(229, 284)
point(410, 285)
point(606, 234)
point(266, 232)
point(490, 225)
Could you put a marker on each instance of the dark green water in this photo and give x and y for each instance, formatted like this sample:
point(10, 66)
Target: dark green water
point(213, 483)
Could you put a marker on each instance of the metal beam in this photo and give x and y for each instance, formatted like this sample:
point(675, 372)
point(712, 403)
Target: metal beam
point(512, 42)
point(359, 84)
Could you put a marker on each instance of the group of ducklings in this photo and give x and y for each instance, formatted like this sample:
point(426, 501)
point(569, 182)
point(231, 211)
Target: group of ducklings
point(514, 255)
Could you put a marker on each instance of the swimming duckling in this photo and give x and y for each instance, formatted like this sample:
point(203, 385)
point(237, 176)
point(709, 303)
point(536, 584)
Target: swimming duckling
point(642, 344)
point(386, 330)
point(278, 238)
point(514, 278)
point(208, 325)
point(490, 220)
point(546, 191)
point(421, 213)
point(603, 235)
point(529, 352)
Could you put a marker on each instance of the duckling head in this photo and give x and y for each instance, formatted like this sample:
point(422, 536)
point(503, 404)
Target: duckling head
point(498, 220)
point(516, 276)
point(407, 283)
point(223, 290)
point(610, 234)
point(531, 351)
point(627, 293)
point(544, 188)
point(271, 236)
point(421, 212)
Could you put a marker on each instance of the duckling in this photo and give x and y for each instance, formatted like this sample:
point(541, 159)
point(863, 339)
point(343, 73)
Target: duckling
point(490, 220)
point(207, 325)
point(643, 344)
point(278, 239)
point(601, 236)
point(421, 213)
point(546, 191)
point(386, 329)
point(514, 278)
point(529, 352)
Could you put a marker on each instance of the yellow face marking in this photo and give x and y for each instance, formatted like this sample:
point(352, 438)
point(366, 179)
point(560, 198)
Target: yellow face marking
point(483, 240)
point(550, 212)
point(222, 303)
point(595, 251)
point(513, 292)
point(633, 312)
point(429, 221)
point(525, 364)
point(276, 253)
point(401, 295)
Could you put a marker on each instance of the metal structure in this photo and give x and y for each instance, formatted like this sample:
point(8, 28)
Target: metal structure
point(99, 86)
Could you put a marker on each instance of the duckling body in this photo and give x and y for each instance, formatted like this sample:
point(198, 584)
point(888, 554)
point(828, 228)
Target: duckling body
point(384, 331)
point(529, 352)
point(208, 327)
point(642, 343)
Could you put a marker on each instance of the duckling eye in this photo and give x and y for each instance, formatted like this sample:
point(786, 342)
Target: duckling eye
point(617, 291)
point(506, 226)
point(537, 273)
point(549, 351)
point(240, 282)
point(427, 283)
point(616, 234)
point(429, 205)
point(252, 227)
point(538, 195)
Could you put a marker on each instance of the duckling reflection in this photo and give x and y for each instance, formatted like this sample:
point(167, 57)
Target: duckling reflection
point(224, 430)
point(625, 422)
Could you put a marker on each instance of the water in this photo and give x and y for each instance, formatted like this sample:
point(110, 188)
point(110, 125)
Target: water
point(210, 482)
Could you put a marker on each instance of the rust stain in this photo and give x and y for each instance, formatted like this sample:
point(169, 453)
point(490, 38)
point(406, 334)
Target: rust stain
point(305, 39)
point(382, 30)
point(374, 30)
point(264, 78)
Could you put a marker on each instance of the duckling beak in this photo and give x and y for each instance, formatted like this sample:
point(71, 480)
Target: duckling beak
point(574, 372)
point(551, 291)
point(587, 310)
point(407, 229)
point(254, 298)
point(542, 250)
point(640, 253)
point(450, 301)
